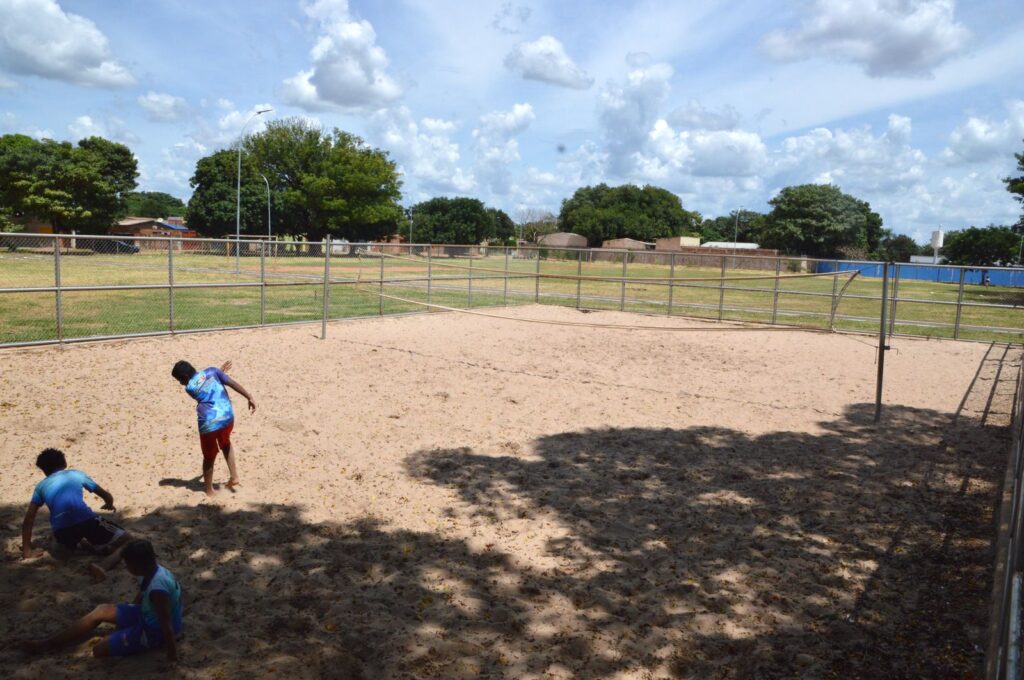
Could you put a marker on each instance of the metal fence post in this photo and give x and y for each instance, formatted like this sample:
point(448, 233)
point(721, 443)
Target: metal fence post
point(469, 292)
point(895, 295)
point(327, 286)
point(882, 344)
point(430, 273)
point(775, 293)
point(56, 283)
point(263, 283)
point(536, 279)
point(622, 292)
point(579, 275)
point(721, 291)
point(835, 281)
point(504, 293)
point(170, 285)
point(380, 286)
point(959, 304)
point(671, 280)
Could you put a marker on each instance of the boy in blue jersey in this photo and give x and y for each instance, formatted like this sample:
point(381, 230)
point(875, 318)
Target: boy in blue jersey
point(152, 620)
point(72, 520)
point(216, 417)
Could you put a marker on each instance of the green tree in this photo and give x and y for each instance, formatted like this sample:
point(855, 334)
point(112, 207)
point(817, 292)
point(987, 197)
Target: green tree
point(748, 224)
point(211, 210)
point(1015, 185)
point(504, 227)
point(321, 184)
point(628, 211)
point(452, 220)
point(986, 247)
point(819, 220)
point(153, 204)
point(71, 187)
point(897, 248)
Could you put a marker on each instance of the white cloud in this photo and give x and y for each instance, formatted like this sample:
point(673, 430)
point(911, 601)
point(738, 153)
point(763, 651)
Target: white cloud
point(886, 37)
point(423, 150)
point(983, 139)
point(496, 145)
point(349, 69)
point(9, 124)
point(628, 109)
point(857, 159)
point(545, 60)
point(112, 128)
point(705, 153)
point(163, 108)
point(511, 18)
point(38, 38)
point(226, 129)
point(694, 116)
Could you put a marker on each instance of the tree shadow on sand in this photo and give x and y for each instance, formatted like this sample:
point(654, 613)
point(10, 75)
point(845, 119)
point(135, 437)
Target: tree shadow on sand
point(853, 552)
point(856, 551)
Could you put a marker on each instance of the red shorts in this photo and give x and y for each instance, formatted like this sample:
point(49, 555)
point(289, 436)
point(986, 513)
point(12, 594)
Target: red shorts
point(215, 441)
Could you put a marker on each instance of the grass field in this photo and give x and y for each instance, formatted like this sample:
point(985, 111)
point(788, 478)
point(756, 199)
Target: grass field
point(295, 293)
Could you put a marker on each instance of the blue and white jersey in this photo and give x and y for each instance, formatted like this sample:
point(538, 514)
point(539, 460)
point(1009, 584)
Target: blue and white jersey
point(61, 492)
point(214, 407)
point(162, 581)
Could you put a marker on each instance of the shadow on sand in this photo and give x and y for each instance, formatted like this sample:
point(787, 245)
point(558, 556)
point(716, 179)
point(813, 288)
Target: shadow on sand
point(858, 551)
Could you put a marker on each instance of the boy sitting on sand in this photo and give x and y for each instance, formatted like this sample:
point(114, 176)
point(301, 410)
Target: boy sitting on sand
point(72, 520)
point(216, 417)
point(152, 620)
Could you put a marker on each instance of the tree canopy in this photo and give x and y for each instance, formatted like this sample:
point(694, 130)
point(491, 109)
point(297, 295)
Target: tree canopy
point(321, 183)
point(743, 225)
point(456, 220)
point(897, 248)
point(985, 247)
point(602, 212)
point(152, 204)
point(819, 220)
point(72, 187)
point(1015, 185)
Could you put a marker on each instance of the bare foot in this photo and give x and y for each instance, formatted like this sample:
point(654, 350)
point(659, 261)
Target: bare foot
point(97, 572)
point(232, 483)
point(210, 492)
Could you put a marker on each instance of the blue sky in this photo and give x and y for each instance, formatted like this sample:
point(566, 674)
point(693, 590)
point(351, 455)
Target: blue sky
point(912, 105)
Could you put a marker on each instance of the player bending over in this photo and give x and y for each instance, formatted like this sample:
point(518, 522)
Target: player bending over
point(72, 520)
point(152, 620)
point(216, 417)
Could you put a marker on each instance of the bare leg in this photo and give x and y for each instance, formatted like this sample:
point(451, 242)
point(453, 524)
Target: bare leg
point(99, 569)
point(229, 456)
point(208, 476)
point(78, 632)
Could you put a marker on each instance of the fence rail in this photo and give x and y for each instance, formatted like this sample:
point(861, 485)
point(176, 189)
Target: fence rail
point(67, 289)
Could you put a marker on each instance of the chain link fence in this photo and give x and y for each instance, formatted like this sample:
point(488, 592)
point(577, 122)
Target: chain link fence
point(67, 288)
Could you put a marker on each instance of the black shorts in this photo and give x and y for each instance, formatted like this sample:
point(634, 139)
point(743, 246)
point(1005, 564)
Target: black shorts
point(96, 530)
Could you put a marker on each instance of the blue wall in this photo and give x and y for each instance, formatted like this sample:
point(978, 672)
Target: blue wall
point(921, 272)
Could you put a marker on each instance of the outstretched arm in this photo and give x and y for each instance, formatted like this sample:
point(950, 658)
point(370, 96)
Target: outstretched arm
point(241, 390)
point(26, 533)
point(108, 500)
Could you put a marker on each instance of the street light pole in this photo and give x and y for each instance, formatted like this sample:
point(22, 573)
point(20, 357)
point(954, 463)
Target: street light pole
point(268, 203)
point(735, 236)
point(238, 188)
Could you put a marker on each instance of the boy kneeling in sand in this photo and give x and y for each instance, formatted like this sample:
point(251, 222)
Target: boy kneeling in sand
point(73, 522)
point(151, 621)
point(216, 417)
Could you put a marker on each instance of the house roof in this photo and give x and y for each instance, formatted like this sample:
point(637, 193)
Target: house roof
point(175, 227)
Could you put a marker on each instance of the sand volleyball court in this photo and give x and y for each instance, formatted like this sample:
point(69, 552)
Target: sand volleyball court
point(448, 496)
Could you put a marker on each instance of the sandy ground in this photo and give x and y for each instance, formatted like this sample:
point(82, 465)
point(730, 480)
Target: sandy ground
point(452, 496)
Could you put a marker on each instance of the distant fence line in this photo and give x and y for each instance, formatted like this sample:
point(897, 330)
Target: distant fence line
point(166, 284)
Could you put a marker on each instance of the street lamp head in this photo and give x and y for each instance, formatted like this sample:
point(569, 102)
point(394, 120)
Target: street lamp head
point(266, 110)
